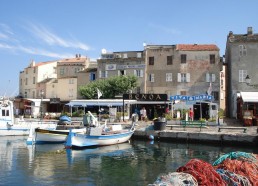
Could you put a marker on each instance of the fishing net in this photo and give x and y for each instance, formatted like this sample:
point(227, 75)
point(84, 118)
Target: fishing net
point(236, 155)
point(234, 179)
point(203, 172)
point(175, 179)
point(245, 168)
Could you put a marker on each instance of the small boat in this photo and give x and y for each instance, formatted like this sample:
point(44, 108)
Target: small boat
point(100, 135)
point(57, 135)
point(11, 126)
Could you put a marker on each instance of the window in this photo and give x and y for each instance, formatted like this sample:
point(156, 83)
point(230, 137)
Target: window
point(169, 60)
point(183, 93)
point(210, 77)
point(151, 60)
point(212, 59)
point(151, 77)
point(215, 94)
point(71, 81)
point(121, 72)
point(26, 81)
point(183, 77)
point(125, 55)
point(70, 93)
point(34, 70)
point(34, 80)
point(138, 73)
point(103, 74)
point(139, 55)
point(242, 75)
point(168, 77)
point(92, 76)
point(62, 71)
point(242, 50)
point(183, 58)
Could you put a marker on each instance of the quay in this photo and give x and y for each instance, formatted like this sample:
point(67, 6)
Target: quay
point(232, 132)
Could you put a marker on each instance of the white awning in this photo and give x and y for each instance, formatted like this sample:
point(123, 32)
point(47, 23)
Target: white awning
point(249, 96)
point(101, 102)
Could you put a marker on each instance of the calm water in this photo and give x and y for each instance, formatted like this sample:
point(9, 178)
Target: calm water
point(137, 163)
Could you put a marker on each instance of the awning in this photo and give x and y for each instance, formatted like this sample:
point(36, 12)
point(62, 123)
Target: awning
point(249, 96)
point(85, 103)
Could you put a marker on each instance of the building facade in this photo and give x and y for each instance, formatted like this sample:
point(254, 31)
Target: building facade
point(123, 63)
point(183, 69)
point(241, 60)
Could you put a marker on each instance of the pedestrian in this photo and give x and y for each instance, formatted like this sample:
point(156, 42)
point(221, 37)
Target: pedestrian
point(143, 113)
point(191, 114)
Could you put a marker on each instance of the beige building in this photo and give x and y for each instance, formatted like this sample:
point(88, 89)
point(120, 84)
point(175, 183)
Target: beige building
point(183, 69)
point(34, 74)
point(123, 63)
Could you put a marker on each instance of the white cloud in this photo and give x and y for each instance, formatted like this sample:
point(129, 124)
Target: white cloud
point(164, 29)
point(50, 38)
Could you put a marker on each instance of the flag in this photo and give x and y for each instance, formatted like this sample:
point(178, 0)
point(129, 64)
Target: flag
point(209, 89)
point(99, 93)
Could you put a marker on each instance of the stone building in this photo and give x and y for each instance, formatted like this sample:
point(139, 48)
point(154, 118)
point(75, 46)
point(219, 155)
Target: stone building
point(183, 69)
point(241, 61)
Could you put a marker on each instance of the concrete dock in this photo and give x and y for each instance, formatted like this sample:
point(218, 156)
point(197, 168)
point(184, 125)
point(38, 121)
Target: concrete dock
point(232, 133)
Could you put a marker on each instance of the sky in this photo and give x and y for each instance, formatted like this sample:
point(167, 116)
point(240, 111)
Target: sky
point(46, 30)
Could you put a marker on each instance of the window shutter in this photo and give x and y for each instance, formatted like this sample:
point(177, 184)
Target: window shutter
point(188, 77)
point(178, 77)
point(124, 72)
point(134, 72)
point(100, 74)
point(141, 73)
point(213, 77)
point(207, 77)
point(106, 74)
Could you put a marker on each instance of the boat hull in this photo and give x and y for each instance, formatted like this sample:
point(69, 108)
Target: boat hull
point(82, 140)
point(23, 129)
point(42, 136)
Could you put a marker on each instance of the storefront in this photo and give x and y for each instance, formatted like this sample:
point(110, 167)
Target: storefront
point(247, 108)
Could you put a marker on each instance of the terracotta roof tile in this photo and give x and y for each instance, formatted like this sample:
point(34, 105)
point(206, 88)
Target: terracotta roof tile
point(196, 47)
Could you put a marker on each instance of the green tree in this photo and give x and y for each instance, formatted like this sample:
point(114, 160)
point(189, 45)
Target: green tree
point(110, 87)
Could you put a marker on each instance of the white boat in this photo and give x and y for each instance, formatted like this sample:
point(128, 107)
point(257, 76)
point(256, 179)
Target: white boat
point(42, 136)
point(11, 127)
point(100, 136)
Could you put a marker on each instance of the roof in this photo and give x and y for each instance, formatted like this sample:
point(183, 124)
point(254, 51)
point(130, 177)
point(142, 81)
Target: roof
point(249, 96)
point(73, 60)
point(196, 47)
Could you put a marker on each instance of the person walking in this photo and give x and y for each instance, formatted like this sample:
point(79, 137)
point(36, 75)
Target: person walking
point(143, 113)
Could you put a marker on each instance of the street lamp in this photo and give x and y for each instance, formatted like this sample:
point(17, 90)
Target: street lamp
point(248, 82)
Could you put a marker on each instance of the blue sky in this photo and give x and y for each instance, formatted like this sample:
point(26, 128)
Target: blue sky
point(45, 30)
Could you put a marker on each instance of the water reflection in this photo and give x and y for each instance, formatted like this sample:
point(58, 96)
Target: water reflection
point(135, 163)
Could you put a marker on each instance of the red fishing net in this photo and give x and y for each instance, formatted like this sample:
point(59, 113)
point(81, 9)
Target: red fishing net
point(203, 172)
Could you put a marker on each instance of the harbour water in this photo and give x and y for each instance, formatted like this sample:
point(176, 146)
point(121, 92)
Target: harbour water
point(135, 163)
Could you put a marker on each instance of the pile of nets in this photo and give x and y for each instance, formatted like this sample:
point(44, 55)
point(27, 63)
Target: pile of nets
point(238, 168)
point(234, 168)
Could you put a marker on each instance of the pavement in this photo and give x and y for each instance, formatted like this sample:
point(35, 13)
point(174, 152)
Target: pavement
point(228, 122)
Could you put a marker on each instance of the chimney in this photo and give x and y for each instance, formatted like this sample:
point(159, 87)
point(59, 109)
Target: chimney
point(230, 34)
point(249, 31)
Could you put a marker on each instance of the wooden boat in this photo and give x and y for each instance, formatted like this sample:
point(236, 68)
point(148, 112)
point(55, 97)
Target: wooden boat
point(100, 135)
point(57, 135)
point(10, 126)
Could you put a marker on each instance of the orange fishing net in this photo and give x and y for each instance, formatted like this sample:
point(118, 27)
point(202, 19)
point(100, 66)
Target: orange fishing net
point(244, 168)
point(203, 172)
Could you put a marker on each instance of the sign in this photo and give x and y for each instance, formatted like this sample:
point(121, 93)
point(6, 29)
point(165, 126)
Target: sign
point(192, 98)
point(146, 97)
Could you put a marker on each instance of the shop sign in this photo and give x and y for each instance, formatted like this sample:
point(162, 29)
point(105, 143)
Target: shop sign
point(146, 97)
point(192, 98)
